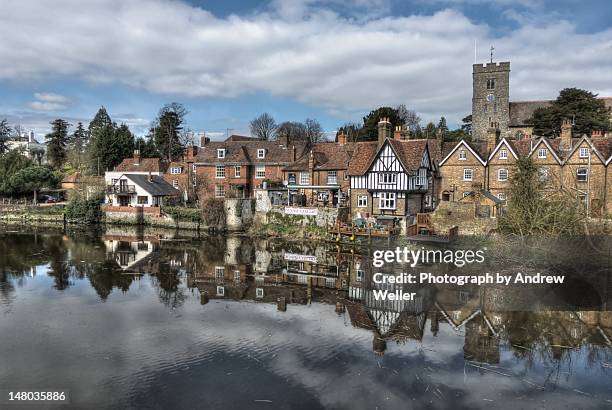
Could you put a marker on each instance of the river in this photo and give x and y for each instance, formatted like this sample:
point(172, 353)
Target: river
point(155, 319)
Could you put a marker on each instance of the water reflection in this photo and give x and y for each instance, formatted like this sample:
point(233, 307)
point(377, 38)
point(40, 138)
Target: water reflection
point(536, 335)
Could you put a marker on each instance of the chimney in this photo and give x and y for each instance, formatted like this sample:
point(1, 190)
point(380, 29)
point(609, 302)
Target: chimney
point(136, 157)
point(294, 153)
point(150, 177)
point(384, 130)
point(440, 138)
point(342, 138)
point(397, 134)
point(566, 135)
point(492, 136)
point(311, 161)
point(190, 153)
point(597, 134)
point(204, 140)
point(284, 140)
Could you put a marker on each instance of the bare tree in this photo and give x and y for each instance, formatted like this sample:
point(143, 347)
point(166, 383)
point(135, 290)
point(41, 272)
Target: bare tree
point(314, 131)
point(263, 126)
point(408, 117)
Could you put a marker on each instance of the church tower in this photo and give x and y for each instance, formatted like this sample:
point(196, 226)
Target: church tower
point(490, 98)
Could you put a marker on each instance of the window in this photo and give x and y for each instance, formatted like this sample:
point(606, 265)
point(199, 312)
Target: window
point(221, 153)
point(304, 178)
point(503, 154)
point(360, 275)
point(387, 200)
point(220, 291)
point(466, 194)
point(583, 199)
point(194, 167)
point(175, 170)
point(387, 178)
point(260, 171)
point(220, 171)
point(237, 171)
point(219, 272)
point(491, 84)
point(261, 153)
point(582, 175)
point(502, 174)
point(332, 177)
point(362, 201)
point(467, 174)
point(175, 183)
point(143, 200)
point(501, 196)
point(542, 153)
point(462, 155)
point(219, 191)
point(259, 293)
point(237, 275)
point(584, 152)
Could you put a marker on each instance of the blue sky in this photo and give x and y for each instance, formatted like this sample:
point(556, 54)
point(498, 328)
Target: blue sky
point(228, 61)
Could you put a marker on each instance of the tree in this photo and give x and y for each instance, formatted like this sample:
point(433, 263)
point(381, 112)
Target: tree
point(314, 131)
point(10, 163)
point(466, 125)
point(263, 127)
point(167, 131)
point(587, 112)
point(56, 143)
point(76, 147)
point(369, 130)
point(292, 130)
point(430, 130)
point(532, 210)
point(100, 120)
point(5, 134)
point(351, 130)
point(442, 127)
point(147, 148)
point(409, 118)
point(32, 178)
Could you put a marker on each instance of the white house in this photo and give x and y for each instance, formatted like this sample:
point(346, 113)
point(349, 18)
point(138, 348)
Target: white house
point(138, 190)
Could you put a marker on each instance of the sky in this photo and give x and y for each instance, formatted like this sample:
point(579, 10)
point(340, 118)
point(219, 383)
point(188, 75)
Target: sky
point(332, 60)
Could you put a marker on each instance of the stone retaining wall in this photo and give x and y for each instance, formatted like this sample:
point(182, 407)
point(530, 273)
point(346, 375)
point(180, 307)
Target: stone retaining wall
point(449, 214)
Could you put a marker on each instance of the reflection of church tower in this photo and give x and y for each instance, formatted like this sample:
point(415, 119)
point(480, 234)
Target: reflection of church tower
point(490, 98)
point(480, 344)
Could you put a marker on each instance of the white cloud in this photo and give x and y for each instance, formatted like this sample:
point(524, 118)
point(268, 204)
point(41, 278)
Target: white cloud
point(300, 50)
point(49, 102)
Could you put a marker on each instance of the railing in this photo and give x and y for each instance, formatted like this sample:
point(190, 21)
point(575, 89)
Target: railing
point(424, 219)
point(121, 189)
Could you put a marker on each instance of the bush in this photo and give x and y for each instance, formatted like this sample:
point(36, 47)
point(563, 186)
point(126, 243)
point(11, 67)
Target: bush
point(183, 214)
point(214, 212)
point(81, 210)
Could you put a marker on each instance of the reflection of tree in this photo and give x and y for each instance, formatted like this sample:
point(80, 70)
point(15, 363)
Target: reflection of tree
point(168, 289)
point(105, 276)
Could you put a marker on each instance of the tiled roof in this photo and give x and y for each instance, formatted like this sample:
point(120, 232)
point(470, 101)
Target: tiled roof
point(144, 164)
point(603, 145)
point(362, 157)
point(245, 152)
point(409, 153)
point(327, 156)
point(235, 137)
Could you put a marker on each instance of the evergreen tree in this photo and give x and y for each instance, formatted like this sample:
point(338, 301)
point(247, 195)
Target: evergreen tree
point(442, 127)
point(110, 146)
point(466, 125)
point(76, 147)
point(5, 133)
point(32, 179)
point(369, 130)
point(147, 147)
point(57, 141)
point(167, 131)
point(430, 130)
point(583, 107)
point(100, 120)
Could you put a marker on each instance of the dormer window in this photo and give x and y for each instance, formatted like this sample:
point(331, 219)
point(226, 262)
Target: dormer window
point(462, 155)
point(221, 153)
point(175, 170)
point(503, 154)
point(542, 153)
point(261, 153)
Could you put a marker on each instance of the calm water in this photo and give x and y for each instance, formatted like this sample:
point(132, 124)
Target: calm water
point(151, 319)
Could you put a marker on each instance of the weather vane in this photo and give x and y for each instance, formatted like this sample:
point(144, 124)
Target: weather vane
point(492, 48)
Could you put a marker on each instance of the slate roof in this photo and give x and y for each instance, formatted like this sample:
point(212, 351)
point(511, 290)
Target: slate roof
point(157, 186)
point(144, 165)
point(521, 111)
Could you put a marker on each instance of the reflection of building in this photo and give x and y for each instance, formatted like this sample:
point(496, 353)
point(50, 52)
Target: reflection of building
point(128, 254)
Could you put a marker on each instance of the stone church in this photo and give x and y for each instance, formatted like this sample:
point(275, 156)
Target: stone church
point(491, 103)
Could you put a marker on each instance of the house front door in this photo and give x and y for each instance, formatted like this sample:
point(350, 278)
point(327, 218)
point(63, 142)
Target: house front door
point(124, 200)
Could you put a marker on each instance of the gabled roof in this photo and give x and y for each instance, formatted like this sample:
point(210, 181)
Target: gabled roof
point(156, 186)
point(245, 152)
point(603, 146)
point(576, 145)
point(326, 155)
point(408, 152)
point(505, 143)
point(552, 145)
point(142, 165)
point(473, 148)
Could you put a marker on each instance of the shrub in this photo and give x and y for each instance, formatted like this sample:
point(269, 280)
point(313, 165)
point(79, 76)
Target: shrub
point(81, 210)
point(214, 212)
